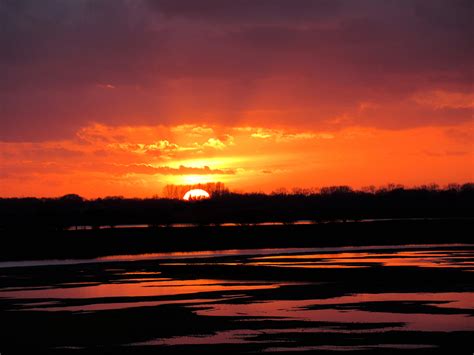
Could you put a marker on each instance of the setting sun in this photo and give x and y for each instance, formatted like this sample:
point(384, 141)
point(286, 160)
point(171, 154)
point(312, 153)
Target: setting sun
point(196, 194)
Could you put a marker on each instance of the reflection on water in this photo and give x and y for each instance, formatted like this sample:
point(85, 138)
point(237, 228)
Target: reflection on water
point(425, 258)
point(158, 287)
point(297, 222)
point(52, 306)
point(238, 336)
point(330, 310)
point(273, 253)
point(354, 347)
point(246, 292)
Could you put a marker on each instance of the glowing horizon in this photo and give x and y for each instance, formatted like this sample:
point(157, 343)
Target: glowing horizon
point(247, 160)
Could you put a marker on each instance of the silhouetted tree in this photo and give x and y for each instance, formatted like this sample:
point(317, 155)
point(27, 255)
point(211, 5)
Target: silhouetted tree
point(331, 203)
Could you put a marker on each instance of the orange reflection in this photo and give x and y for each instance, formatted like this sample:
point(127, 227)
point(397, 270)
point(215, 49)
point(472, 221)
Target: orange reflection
point(297, 310)
point(428, 259)
point(158, 287)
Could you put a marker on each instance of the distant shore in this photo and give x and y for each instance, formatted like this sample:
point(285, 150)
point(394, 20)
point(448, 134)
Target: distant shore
point(18, 245)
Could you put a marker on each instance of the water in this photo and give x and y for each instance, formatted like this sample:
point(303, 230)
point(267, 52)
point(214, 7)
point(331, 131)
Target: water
point(297, 222)
point(278, 252)
point(270, 300)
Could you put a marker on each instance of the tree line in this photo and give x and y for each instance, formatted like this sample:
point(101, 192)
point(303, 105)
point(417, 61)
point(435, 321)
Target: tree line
point(327, 204)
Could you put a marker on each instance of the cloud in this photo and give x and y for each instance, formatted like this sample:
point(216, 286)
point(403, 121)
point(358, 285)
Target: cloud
point(66, 64)
point(261, 135)
point(163, 170)
point(245, 11)
point(214, 143)
point(139, 160)
point(280, 135)
point(192, 130)
point(440, 99)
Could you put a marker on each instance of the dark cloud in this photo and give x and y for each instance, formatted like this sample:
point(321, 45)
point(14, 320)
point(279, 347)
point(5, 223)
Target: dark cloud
point(64, 64)
point(244, 11)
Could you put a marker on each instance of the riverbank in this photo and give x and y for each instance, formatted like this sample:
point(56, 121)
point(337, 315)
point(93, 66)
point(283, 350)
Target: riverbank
point(18, 245)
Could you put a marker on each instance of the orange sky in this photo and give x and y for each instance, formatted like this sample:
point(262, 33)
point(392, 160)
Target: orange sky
point(121, 98)
point(139, 160)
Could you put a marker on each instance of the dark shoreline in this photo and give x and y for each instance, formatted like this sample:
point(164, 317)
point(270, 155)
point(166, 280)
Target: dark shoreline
point(22, 245)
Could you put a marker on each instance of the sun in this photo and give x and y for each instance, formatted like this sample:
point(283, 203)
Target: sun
point(196, 194)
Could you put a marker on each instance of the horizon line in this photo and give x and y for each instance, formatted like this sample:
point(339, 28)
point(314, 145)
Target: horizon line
point(279, 191)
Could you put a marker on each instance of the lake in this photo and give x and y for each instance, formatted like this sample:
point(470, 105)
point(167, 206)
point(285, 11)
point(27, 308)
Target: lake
point(364, 298)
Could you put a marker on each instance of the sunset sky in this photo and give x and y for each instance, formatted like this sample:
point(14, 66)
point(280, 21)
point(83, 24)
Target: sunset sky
point(121, 97)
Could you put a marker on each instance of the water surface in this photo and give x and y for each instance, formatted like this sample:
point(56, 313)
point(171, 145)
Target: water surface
point(270, 300)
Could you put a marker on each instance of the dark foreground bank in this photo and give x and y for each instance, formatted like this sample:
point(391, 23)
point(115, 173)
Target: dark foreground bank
point(26, 245)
